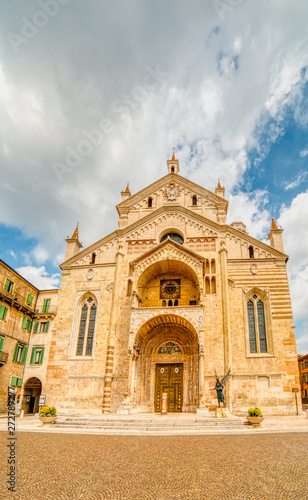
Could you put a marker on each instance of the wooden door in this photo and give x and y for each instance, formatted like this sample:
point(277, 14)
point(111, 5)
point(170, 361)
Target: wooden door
point(169, 379)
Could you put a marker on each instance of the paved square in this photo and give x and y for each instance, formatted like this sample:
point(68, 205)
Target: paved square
point(71, 467)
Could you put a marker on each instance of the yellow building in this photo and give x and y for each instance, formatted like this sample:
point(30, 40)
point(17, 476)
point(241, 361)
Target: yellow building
point(172, 295)
point(26, 316)
point(303, 376)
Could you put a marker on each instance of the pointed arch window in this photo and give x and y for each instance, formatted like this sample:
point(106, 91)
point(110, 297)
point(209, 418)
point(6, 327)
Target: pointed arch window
point(194, 200)
point(259, 337)
point(86, 328)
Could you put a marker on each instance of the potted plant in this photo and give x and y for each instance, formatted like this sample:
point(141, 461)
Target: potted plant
point(48, 414)
point(255, 416)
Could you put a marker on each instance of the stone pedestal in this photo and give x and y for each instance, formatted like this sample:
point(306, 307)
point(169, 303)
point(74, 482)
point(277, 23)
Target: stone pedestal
point(203, 411)
point(126, 405)
point(222, 413)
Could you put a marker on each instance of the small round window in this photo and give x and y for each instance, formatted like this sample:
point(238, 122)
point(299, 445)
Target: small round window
point(173, 236)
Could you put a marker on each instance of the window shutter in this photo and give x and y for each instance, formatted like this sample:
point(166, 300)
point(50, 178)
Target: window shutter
point(24, 354)
point(42, 355)
point(47, 326)
point(29, 325)
point(2, 308)
point(15, 352)
point(1, 344)
point(36, 326)
point(5, 312)
point(7, 285)
point(46, 305)
point(32, 356)
point(13, 381)
point(24, 322)
point(29, 299)
point(19, 382)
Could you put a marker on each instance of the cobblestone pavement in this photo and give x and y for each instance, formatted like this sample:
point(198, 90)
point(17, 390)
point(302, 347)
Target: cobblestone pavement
point(72, 467)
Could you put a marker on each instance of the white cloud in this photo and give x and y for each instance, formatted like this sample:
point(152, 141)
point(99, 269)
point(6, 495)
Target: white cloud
point(12, 254)
point(250, 209)
point(300, 178)
point(303, 153)
point(39, 277)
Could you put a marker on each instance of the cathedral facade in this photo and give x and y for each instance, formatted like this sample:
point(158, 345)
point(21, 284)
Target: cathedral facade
point(171, 296)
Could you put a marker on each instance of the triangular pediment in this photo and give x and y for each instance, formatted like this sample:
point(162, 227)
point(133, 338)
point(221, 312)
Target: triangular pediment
point(168, 249)
point(184, 191)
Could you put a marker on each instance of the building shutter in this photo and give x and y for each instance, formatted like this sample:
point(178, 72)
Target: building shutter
point(32, 356)
point(15, 351)
point(19, 382)
point(47, 326)
point(29, 299)
point(7, 285)
point(3, 312)
point(29, 325)
point(24, 322)
point(36, 326)
point(46, 305)
point(42, 355)
point(24, 354)
point(13, 381)
point(1, 344)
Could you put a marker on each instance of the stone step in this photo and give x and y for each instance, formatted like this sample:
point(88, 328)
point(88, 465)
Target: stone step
point(151, 424)
point(145, 428)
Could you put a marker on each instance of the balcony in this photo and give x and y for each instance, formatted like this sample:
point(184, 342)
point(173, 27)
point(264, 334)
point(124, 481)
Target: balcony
point(46, 312)
point(17, 300)
point(4, 356)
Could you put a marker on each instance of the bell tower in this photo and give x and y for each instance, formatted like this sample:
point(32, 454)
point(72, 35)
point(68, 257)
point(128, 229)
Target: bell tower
point(173, 165)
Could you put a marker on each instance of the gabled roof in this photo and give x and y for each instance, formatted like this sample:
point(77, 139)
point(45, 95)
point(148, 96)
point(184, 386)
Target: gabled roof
point(125, 205)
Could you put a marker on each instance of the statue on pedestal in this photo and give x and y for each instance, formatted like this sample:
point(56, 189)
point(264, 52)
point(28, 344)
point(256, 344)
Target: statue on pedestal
point(219, 387)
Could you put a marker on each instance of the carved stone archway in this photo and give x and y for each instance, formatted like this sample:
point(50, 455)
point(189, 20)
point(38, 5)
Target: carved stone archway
point(149, 350)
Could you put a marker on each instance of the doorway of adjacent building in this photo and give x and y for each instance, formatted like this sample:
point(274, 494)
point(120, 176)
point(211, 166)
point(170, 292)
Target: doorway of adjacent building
point(169, 380)
point(32, 392)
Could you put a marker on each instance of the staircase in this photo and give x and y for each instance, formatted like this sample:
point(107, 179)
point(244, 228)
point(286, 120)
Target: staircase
point(151, 424)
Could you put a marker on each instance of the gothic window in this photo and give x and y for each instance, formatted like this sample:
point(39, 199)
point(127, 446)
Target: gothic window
point(150, 202)
point(86, 328)
point(194, 200)
point(169, 303)
point(164, 303)
point(213, 285)
point(257, 331)
point(207, 267)
point(251, 254)
point(213, 266)
point(93, 258)
point(172, 169)
point(176, 302)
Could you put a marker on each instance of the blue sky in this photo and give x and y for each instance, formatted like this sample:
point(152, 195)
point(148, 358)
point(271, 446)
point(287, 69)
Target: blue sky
point(223, 82)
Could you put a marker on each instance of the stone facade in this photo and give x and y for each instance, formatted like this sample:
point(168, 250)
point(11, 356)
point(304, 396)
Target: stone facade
point(173, 286)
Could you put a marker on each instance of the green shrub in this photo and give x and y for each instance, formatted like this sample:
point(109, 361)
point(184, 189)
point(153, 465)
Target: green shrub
point(48, 411)
point(255, 412)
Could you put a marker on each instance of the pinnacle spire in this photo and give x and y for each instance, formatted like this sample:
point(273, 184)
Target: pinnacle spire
point(274, 225)
point(75, 233)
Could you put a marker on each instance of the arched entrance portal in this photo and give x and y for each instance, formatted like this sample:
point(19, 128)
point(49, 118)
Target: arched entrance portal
point(165, 356)
point(32, 392)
